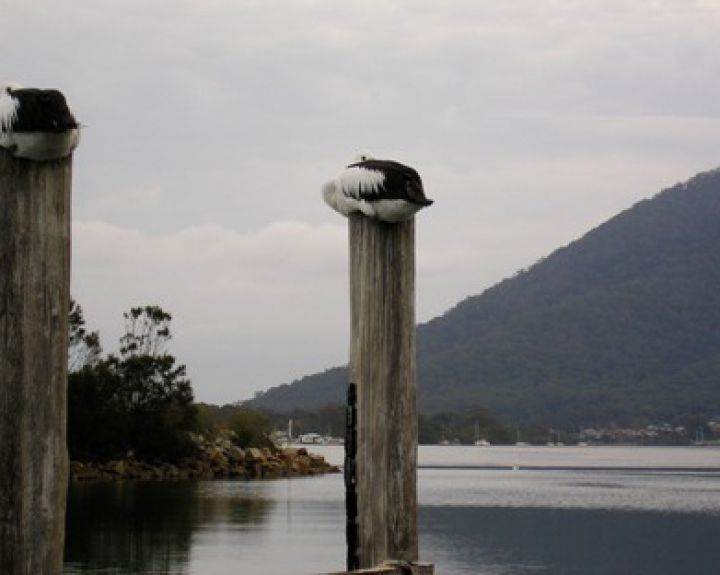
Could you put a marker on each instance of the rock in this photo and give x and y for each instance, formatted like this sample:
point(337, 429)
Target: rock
point(253, 454)
point(317, 461)
point(289, 454)
point(235, 454)
point(223, 444)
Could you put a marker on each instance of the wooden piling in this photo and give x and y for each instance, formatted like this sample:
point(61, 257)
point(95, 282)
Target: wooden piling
point(34, 294)
point(382, 365)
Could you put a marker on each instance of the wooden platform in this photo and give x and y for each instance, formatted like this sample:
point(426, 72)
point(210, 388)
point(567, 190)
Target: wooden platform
point(393, 568)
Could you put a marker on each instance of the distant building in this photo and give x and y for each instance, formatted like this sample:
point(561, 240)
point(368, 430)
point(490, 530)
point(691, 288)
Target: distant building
point(311, 438)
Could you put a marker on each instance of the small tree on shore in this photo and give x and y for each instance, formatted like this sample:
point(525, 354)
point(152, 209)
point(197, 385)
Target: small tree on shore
point(251, 427)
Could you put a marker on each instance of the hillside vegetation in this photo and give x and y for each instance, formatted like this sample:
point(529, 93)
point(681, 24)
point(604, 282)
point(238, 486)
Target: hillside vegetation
point(620, 326)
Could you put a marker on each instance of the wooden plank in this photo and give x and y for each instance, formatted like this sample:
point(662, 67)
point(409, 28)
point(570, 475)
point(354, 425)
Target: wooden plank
point(391, 569)
point(382, 364)
point(34, 293)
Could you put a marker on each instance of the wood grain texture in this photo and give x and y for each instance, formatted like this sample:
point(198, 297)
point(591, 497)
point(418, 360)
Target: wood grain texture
point(34, 293)
point(382, 364)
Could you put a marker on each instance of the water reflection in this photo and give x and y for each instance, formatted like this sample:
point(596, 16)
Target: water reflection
point(588, 519)
point(146, 527)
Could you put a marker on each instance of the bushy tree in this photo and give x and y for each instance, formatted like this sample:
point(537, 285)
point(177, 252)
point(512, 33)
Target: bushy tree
point(138, 401)
point(251, 427)
point(96, 427)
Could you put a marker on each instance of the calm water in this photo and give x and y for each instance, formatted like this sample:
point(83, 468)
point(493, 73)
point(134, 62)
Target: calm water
point(494, 511)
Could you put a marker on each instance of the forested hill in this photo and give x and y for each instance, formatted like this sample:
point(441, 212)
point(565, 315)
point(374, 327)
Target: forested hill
point(621, 325)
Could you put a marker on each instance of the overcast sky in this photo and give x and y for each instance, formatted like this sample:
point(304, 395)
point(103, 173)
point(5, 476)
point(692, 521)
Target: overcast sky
point(211, 126)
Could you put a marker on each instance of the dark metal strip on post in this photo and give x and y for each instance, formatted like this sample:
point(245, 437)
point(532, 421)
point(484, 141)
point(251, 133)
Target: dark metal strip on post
point(34, 295)
point(351, 508)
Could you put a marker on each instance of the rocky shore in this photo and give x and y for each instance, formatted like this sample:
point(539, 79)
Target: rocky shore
point(214, 459)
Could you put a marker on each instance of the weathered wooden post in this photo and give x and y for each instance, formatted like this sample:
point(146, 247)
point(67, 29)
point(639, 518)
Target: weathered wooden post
point(34, 295)
point(380, 199)
point(382, 366)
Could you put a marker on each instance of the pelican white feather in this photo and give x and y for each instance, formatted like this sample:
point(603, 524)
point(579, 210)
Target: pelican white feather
point(8, 110)
point(357, 181)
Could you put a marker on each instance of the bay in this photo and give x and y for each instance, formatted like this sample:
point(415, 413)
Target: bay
point(482, 510)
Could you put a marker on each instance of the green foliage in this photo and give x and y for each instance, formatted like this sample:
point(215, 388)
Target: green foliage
point(251, 427)
point(139, 402)
point(147, 331)
point(83, 346)
point(309, 393)
point(620, 326)
point(96, 427)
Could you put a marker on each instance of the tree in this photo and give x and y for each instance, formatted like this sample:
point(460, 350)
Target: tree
point(139, 401)
point(97, 429)
point(251, 427)
point(83, 347)
point(147, 331)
